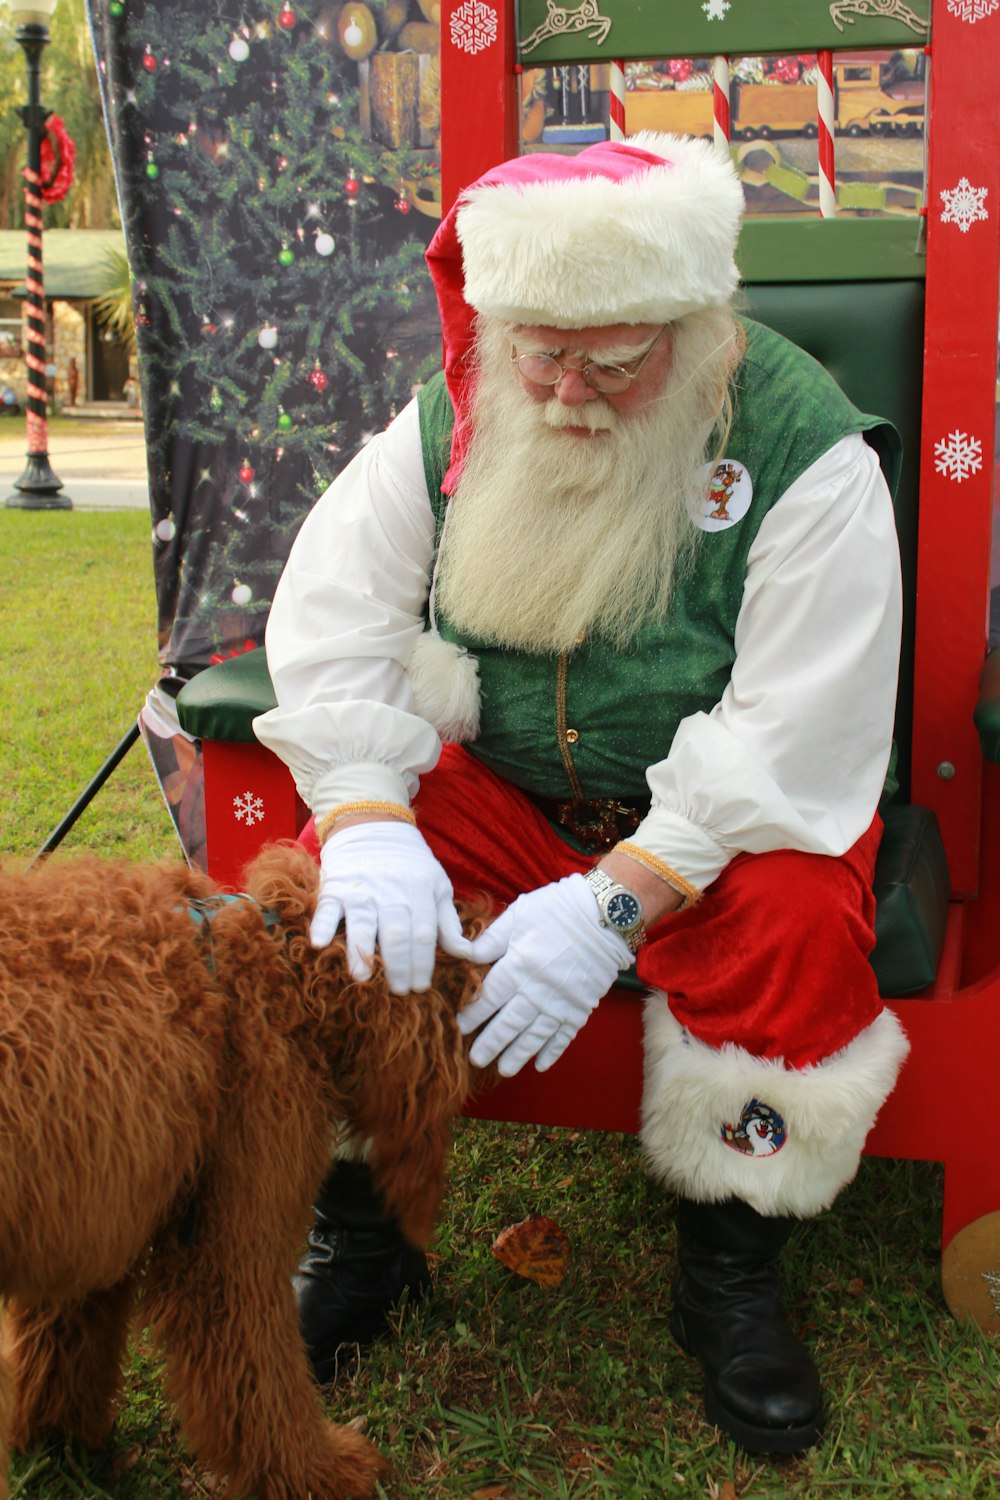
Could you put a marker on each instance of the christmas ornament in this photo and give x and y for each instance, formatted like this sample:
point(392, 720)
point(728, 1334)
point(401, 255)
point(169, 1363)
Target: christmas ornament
point(152, 170)
point(357, 31)
point(149, 61)
point(318, 379)
point(208, 329)
point(165, 531)
point(268, 336)
point(351, 186)
point(116, 8)
point(239, 49)
point(401, 204)
point(215, 400)
point(325, 244)
point(246, 473)
point(286, 256)
point(284, 421)
point(242, 594)
point(287, 18)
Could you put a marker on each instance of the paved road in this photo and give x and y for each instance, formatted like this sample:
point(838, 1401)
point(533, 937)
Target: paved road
point(102, 466)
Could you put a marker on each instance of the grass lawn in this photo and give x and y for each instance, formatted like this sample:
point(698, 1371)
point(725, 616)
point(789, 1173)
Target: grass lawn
point(494, 1389)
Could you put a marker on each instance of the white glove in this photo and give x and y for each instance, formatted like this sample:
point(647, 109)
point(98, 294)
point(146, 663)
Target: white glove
point(553, 960)
point(383, 882)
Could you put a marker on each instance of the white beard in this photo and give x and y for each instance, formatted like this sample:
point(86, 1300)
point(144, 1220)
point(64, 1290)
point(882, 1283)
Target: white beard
point(553, 538)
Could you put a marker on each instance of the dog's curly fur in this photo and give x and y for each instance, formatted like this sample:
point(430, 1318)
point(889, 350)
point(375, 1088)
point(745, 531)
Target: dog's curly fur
point(168, 1090)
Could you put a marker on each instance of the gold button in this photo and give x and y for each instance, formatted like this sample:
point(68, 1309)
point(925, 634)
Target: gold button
point(572, 735)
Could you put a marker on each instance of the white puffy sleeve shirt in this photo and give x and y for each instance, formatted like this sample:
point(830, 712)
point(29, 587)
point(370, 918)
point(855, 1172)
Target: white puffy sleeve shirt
point(794, 754)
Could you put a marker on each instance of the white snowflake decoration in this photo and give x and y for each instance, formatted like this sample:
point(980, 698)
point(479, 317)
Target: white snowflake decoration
point(972, 10)
point(248, 809)
point(964, 204)
point(473, 26)
point(715, 10)
point(958, 456)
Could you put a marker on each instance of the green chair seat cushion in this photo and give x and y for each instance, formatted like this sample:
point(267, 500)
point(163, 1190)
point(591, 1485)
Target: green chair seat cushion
point(222, 702)
point(911, 900)
point(986, 714)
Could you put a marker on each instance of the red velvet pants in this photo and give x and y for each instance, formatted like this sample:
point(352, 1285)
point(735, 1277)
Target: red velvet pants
point(773, 958)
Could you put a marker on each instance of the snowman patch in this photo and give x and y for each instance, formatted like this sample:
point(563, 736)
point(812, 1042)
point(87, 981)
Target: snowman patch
point(725, 499)
point(760, 1130)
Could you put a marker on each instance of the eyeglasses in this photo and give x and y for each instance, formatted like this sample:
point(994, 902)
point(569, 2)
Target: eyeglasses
point(610, 380)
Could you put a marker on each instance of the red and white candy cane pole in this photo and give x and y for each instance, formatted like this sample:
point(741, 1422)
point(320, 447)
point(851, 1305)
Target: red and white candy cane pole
point(825, 125)
point(720, 103)
point(38, 488)
point(616, 101)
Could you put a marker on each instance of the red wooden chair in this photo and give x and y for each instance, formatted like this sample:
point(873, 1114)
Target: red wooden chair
point(911, 333)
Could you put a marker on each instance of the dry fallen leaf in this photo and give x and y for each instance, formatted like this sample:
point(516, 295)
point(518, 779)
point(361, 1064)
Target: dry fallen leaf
point(536, 1249)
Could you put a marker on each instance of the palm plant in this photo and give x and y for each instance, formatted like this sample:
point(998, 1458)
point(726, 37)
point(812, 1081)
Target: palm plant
point(113, 309)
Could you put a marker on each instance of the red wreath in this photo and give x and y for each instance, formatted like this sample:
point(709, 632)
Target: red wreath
point(58, 160)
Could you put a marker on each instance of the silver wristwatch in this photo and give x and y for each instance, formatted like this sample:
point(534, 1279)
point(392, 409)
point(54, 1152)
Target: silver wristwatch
point(620, 908)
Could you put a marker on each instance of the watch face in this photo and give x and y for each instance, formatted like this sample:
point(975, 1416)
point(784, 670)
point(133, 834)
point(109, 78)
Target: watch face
point(623, 911)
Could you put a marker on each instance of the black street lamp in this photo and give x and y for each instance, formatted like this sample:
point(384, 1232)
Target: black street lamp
point(38, 487)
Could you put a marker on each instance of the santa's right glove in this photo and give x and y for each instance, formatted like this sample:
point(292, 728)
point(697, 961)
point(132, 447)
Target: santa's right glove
point(393, 895)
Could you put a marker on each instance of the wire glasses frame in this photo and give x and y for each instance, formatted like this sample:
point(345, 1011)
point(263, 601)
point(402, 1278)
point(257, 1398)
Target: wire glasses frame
point(610, 380)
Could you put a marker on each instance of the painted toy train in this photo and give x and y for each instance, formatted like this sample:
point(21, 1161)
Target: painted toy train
point(874, 95)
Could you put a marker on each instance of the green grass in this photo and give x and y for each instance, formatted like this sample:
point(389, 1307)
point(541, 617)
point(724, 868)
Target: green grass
point(494, 1388)
point(62, 423)
point(78, 653)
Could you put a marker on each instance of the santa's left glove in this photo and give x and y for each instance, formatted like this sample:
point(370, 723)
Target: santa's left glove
point(552, 962)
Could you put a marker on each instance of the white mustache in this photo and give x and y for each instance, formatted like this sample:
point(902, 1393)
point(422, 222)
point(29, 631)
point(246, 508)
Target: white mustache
point(595, 415)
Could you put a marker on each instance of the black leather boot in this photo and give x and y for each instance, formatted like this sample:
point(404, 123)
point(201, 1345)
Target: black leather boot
point(761, 1386)
point(356, 1267)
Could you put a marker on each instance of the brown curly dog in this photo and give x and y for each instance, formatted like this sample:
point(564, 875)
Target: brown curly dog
point(170, 1075)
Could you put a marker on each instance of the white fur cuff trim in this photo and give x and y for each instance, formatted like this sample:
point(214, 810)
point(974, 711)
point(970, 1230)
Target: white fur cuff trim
point(693, 1091)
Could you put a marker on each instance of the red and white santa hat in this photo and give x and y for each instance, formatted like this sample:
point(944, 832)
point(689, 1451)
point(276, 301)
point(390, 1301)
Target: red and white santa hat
point(636, 231)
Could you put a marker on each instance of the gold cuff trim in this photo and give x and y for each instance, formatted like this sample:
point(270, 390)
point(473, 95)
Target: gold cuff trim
point(348, 809)
point(683, 887)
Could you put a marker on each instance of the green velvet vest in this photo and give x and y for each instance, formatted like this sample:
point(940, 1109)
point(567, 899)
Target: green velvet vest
point(589, 724)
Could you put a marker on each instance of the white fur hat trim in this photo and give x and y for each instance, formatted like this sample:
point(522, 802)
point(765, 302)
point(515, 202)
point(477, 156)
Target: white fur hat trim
point(587, 252)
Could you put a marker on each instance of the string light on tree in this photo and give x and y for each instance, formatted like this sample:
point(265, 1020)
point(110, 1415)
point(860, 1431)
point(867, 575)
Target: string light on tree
point(215, 400)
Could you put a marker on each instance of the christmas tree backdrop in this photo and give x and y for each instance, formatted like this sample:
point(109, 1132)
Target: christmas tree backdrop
point(275, 163)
